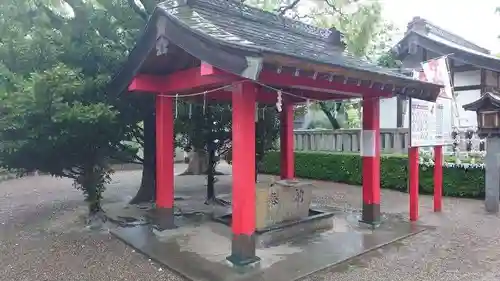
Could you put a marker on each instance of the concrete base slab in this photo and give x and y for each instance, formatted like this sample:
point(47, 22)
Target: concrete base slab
point(126, 215)
point(316, 221)
point(197, 250)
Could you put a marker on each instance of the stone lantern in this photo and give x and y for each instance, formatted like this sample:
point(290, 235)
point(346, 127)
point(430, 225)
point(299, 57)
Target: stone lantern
point(488, 122)
point(488, 114)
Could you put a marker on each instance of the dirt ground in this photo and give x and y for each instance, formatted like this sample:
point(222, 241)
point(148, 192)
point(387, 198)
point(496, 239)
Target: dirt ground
point(42, 235)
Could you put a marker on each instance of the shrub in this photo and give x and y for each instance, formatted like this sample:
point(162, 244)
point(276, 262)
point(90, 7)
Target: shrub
point(458, 181)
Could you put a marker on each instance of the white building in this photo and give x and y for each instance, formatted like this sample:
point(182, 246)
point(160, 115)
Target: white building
point(473, 71)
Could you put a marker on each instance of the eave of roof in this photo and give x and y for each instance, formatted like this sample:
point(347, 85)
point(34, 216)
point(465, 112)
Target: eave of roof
point(487, 98)
point(455, 51)
point(454, 38)
point(225, 49)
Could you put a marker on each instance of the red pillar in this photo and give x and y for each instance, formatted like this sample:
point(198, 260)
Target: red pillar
point(370, 152)
point(287, 142)
point(413, 182)
point(243, 197)
point(438, 178)
point(164, 161)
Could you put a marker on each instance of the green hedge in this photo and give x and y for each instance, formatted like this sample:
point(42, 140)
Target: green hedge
point(346, 168)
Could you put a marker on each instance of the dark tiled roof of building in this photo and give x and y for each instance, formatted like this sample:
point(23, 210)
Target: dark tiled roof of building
point(431, 28)
point(249, 32)
point(442, 42)
point(234, 23)
point(488, 100)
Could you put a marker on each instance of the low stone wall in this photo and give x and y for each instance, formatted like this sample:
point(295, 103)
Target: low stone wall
point(126, 167)
point(349, 140)
point(395, 141)
point(4, 175)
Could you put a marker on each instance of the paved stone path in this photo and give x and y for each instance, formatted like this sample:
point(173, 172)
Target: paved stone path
point(42, 238)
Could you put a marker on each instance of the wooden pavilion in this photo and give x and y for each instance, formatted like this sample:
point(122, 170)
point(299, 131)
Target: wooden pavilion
point(232, 52)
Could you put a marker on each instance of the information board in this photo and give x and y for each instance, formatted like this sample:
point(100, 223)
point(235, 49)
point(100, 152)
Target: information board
point(427, 123)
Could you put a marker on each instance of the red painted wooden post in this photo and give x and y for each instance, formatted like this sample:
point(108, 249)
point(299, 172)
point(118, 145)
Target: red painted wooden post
point(413, 166)
point(438, 178)
point(243, 194)
point(370, 151)
point(164, 158)
point(287, 170)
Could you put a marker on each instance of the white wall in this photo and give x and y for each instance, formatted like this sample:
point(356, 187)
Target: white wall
point(388, 107)
point(467, 78)
point(467, 118)
point(388, 113)
point(492, 78)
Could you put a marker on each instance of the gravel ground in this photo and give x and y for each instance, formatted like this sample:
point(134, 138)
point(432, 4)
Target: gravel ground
point(42, 236)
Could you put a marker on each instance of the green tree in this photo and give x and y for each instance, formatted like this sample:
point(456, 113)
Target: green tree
point(198, 130)
point(206, 128)
point(56, 116)
point(48, 124)
point(91, 38)
point(41, 39)
point(366, 34)
point(498, 12)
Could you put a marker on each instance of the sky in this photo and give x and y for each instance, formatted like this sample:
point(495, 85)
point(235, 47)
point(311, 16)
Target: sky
point(475, 21)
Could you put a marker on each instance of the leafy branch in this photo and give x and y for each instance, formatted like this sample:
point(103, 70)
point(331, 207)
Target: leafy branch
point(138, 10)
point(283, 9)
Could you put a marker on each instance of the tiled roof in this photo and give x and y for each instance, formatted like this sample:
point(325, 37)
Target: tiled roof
point(234, 23)
point(442, 42)
point(419, 23)
point(485, 100)
point(226, 33)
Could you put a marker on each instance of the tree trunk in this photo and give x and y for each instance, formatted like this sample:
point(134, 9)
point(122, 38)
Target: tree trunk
point(211, 173)
point(92, 181)
point(257, 164)
point(94, 205)
point(399, 112)
point(260, 144)
point(198, 164)
point(211, 157)
point(147, 190)
point(198, 160)
point(329, 115)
